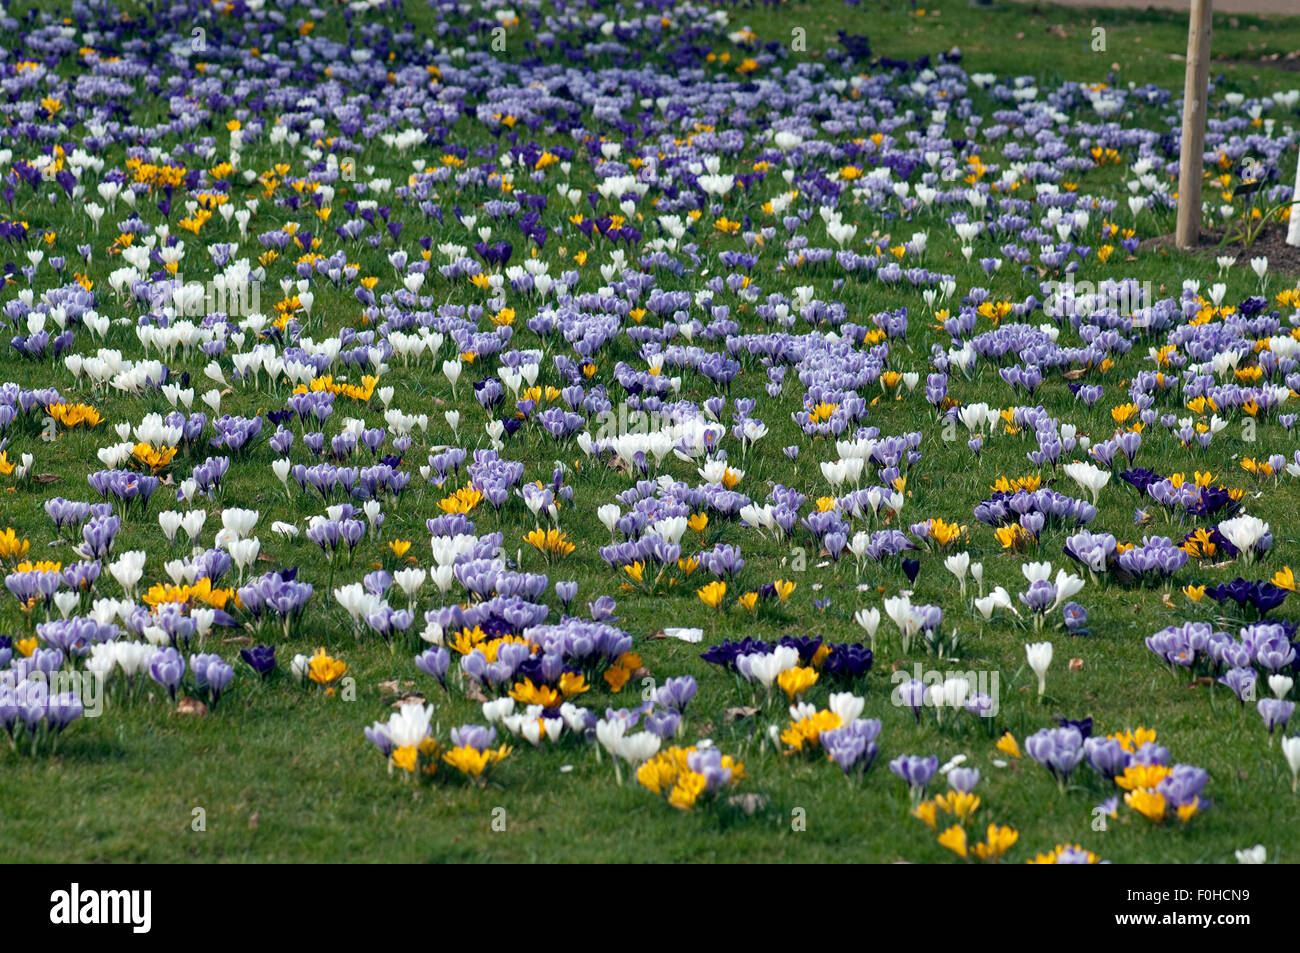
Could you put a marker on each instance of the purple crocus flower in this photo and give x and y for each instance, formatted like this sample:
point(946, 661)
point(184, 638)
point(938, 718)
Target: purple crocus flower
point(1059, 750)
point(1276, 712)
point(1106, 756)
point(62, 710)
point(916, 770)
point(1241, 681)
point(167, 667)
point(663, 723)
point(478, 737)
point(676, 693)
point(260, 658)
point(212, 673)
point(912, 694)
point(853, 747)
point(435, 662)
point(963, 779)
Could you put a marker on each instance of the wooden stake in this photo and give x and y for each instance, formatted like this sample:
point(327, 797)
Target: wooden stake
point(1190, 157)
point(1293, 225)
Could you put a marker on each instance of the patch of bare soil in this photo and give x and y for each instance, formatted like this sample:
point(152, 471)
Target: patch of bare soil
point(1282, 258)
point(1283, 61)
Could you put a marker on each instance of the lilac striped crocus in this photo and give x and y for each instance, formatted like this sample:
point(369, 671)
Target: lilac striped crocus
point(853, 746)
point(1059, 750)
point(1276, 713)
point(916, 770)
point(212, 674)
point(435, 662)
point(167, 668)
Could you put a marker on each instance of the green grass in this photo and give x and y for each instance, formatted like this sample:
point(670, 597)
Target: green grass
point(282, 773)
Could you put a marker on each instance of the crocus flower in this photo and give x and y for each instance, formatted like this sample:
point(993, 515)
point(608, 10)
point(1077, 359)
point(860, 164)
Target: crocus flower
point(1039, 655)
point(916, 771)
point(1058, 749)
point(1291, 751)
point(166, 668)
point(260, 658)
point(1276, 713)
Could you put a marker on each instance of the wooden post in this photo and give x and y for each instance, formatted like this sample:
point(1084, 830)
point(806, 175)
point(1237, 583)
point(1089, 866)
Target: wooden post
point(1190, 157)
point(1293, 224)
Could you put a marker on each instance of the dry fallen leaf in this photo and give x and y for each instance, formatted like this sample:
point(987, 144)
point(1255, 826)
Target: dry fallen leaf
point(191, 706)
point(408, 698)
point(1076, 665)
point(253, 819)
point(735, 714)
point(45, 477)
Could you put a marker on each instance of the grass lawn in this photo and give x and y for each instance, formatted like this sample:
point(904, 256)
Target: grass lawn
point(279, 771)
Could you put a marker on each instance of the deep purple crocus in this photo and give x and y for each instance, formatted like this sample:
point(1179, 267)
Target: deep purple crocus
point(260, 658)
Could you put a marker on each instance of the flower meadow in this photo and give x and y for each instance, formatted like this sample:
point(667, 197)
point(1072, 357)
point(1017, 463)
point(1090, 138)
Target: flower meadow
point(483, 430)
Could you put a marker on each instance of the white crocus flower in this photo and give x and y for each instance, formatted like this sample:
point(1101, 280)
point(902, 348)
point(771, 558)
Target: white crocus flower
point(1040, 660)
point(1089, 477)
point(409, 725)
point(1252, 855)
point(999, 598)
point(170, 521)
point(764, 669)
point(239, 522)
point(847, 705)
point(958, 564)
point(127, 570)
point(869, 619)
point(410, 580)
point(1244, 532)
point(609, 515)
point(1068, 585)
point(1034, 572)
point(1291, 751)
point(281, 468)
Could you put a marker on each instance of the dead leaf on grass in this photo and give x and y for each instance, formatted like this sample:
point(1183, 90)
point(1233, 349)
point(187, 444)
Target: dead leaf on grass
point(191, 706)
